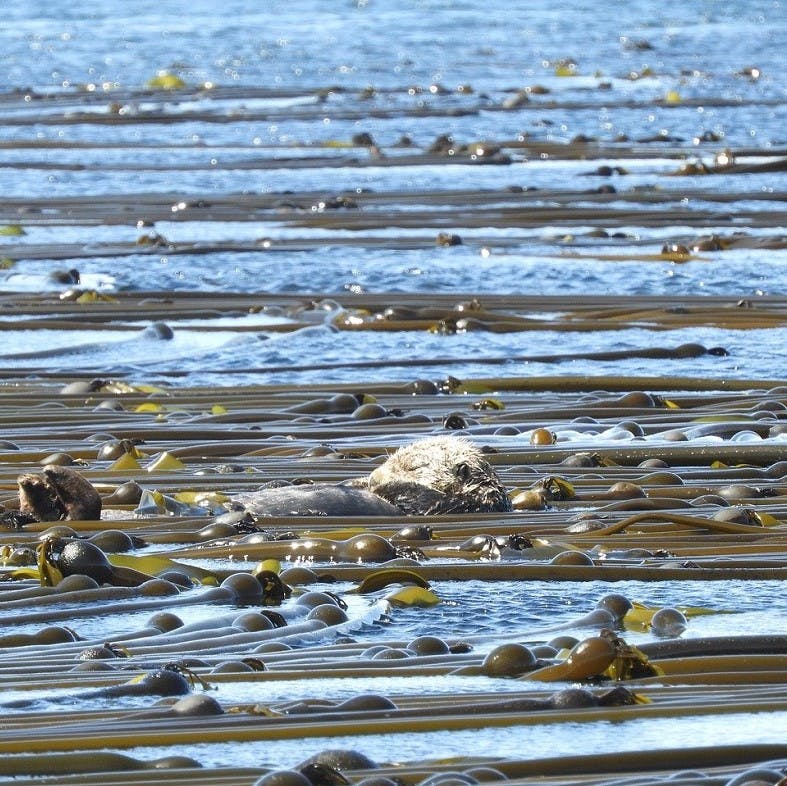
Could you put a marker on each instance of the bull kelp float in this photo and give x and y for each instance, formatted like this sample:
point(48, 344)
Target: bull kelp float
point(381, 414)
point(184, 620)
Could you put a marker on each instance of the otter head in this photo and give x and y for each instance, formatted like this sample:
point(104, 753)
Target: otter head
point(37, 498)
point(58, 494)
point(439, 475)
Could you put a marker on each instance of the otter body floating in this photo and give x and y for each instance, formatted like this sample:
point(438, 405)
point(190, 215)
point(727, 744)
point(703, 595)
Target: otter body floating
point(317, 499)
point(431, 476)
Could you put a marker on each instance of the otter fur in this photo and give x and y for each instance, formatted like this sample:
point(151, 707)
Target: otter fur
point(437, 475)
point(58, 494)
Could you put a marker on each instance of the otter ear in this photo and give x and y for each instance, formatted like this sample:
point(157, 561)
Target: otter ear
point(462, 471)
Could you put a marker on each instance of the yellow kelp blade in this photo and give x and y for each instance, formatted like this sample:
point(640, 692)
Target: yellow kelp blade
point(165, 461)
point(214, 500)
point(640, 616)
point(164, 80)
point(383, 578)
point(631, 663)
point(25, 573)
point(126, 462)
point(152, 564)
point(413, 596)
point(49, 574)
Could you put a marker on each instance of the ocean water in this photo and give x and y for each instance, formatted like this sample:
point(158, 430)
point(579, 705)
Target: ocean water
point(267, 64)
point(355, 43)
point(275, 91)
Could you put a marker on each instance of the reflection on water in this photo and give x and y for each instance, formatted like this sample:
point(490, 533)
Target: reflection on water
point(308, 78)
point(519, 742)
point(145, 192)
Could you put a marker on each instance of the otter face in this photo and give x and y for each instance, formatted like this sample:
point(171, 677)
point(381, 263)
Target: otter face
point(58, 494)
point(440, 475)
point(37, 499)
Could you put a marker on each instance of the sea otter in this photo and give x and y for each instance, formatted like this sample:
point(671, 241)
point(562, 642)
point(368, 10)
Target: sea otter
point(437, 475)
point(432, 476)
point(58, 494)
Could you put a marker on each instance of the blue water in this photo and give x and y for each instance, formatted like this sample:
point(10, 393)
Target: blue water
point(352, 44)
point(91, 58)
point(85, 57)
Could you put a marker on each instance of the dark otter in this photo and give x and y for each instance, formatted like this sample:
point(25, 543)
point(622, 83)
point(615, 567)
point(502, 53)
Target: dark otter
point(431, 476)
point(315, 499)
point(58, 494)
point(427, 477)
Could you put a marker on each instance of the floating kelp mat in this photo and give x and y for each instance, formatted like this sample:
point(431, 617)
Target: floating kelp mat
point(273, 265)
point(422, 629)
point(233, 338)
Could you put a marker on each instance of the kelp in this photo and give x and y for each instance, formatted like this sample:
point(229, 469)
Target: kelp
point(669, 544)
point(576, 442)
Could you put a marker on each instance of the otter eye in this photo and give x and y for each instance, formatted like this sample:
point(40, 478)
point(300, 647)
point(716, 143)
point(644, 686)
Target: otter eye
point(462, 471)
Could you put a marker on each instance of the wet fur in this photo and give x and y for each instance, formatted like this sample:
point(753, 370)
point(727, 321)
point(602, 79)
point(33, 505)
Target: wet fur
point(439, 475)
point(315, 499)
point(37, 499)
point(58, 494)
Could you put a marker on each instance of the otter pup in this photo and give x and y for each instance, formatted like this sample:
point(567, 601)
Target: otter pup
point(431, 476)
point(58, 494)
